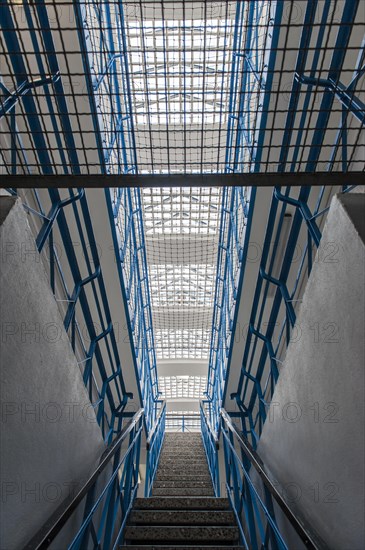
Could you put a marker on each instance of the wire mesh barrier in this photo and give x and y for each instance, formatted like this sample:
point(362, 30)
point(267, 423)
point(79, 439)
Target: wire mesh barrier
point(181, 86)
point(181, 229)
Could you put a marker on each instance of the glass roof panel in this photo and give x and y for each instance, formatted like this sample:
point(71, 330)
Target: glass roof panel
point(180, 63)
point(188, 387)
point(181, 238)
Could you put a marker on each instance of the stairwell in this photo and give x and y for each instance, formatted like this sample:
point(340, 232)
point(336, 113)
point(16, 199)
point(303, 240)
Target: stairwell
point(182, 512)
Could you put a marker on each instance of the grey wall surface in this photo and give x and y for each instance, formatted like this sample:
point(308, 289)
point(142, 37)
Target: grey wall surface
point(50, 440)
point(313, 439)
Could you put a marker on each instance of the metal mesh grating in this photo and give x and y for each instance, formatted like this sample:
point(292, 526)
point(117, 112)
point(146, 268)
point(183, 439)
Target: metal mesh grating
point(181, 86)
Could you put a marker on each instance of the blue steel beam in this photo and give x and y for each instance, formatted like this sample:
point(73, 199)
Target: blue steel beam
point(344, 94)
point(13, 97)
point(302, 214)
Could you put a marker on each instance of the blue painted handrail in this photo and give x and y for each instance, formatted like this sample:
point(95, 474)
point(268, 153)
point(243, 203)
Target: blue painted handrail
point(130, 248)
point(154, 445)
point(211, 446)
point(106, 502)
point(253, 507)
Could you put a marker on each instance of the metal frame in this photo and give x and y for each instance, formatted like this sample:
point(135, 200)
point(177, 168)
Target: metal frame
point(211, 446)
point(131, 252)
point(186, 421)
point(154, 446)
point(106, 505)
point(101, 370)
point(235, 205)
point(254, 506)
point(252, 179)
point(260, 366)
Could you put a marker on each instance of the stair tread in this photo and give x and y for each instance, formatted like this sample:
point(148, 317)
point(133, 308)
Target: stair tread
point(179, 517)
point(182, 491)
point(182, 483)
point(181, 503)
point(169, 547)
point(181, 533)
point(198, 477)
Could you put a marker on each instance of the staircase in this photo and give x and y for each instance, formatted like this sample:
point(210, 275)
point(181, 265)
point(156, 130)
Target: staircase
point(182, 512)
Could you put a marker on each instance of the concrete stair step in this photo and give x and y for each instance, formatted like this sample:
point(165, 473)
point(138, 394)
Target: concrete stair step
point(178, 476)
point(169, 547)
point(187, 456)
point(181, 517)
point(180, 491)
point(168, 534)
point(183, 470)
point(181, 503)
point(182, 459)
point(171, 469)
point(185, 435)
point(183, 448)
point(182, 483)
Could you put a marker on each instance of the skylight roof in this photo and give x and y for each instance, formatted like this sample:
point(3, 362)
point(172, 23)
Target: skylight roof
point(183, 386)
point(179, 62)
point(181, 238)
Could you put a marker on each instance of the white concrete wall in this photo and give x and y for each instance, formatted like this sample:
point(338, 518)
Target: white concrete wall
point(50, 440)
point(313, 439)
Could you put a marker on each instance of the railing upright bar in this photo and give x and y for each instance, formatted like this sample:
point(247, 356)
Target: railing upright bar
point(310, 540)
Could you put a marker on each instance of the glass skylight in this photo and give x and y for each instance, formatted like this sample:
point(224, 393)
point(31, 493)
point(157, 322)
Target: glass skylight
point(177, 70)
point(181, 237)
point(179, 65)
point(188, 387)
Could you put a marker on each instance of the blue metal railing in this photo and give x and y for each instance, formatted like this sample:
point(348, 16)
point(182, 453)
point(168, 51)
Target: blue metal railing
point(77, 281)
point(252, 494)
point(273, 327)
point(211, 446)
point(84, 305)
point(252, 73)
point(154, 445)
point(281, 275)
point(106, 500)
point(233, 226)
point(102, 31)
point(128, 222)
point(103, 36)
point(265, 344)
point(183, 422)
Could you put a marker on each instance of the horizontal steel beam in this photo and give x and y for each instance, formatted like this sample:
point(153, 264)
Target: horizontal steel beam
point(269, 179)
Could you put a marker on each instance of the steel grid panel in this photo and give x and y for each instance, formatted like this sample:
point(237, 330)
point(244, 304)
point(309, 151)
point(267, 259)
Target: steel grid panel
point(164, 87)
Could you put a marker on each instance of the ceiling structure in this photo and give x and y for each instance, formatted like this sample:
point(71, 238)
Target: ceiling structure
point(179, 62)
point(181, 238)
point(166, 81)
